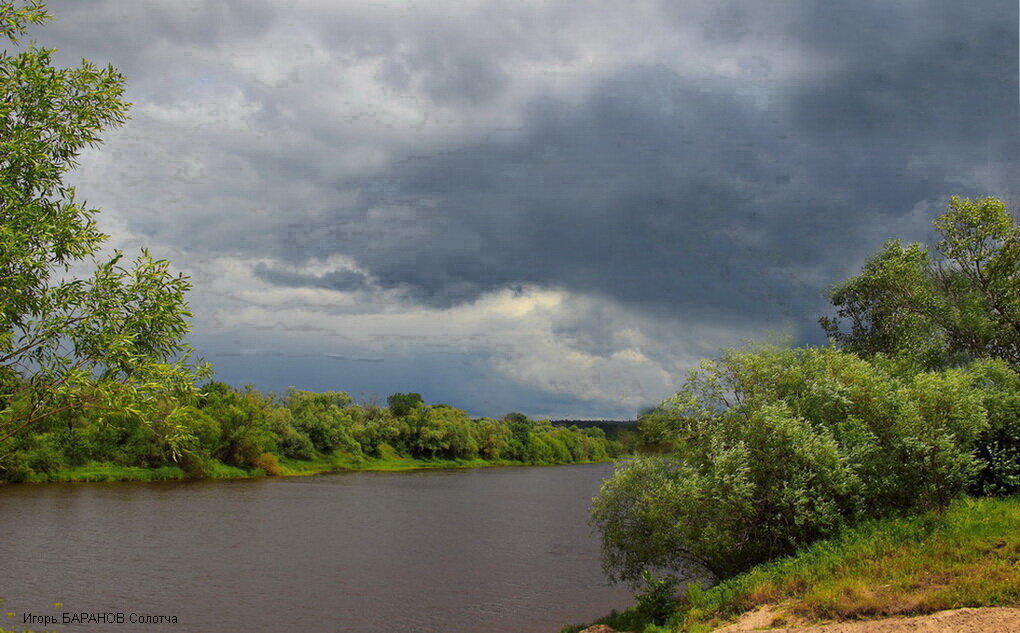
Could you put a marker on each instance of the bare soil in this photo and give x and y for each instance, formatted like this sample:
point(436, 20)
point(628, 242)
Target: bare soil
point(983, 620)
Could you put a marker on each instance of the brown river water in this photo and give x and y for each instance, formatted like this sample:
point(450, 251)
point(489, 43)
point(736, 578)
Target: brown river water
point(453, 551)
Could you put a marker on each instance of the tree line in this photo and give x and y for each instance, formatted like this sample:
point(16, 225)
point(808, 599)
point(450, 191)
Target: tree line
point(256, 431)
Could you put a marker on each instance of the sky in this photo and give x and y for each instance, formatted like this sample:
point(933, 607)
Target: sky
point(549, 207)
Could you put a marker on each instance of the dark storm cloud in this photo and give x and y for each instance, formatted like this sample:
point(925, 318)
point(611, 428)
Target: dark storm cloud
point(689, 192)
point(689, 196)
point(941, 78)
point(624, 194)
point(704, 169)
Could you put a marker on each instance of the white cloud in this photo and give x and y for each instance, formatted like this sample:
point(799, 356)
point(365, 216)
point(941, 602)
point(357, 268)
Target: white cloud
point(519, 332)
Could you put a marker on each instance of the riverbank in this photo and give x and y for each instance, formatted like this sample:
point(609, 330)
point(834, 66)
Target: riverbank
point(389, 461)
point(967, 557)
point(980, 620)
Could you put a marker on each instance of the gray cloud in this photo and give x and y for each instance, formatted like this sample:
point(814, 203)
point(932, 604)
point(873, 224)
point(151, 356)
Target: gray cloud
point(663, 190)
point(342, 280)
point(673, 190)
point(698, 162)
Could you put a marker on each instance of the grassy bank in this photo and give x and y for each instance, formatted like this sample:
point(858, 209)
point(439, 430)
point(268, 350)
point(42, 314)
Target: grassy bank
point(967, 557)
point(388, 461)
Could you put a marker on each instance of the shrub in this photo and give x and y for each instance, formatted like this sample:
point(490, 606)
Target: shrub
point(196, 465)
point(296, 445)
point(14, 466)
point(269, 464)
point(775, 448)
point(658, 600)
point(74, 445)
point(998, 447)
point(42, 453)
point(205, 430)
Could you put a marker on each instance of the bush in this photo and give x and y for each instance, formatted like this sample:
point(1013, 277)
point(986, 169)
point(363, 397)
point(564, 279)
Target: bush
point(658, 600)
point(998, 447)
point(42, 453)
point(296, 445)
point(14, 466)
point(74, 445)
point(205, 430)
point(269, 464)
point(775, 448)
point(196, 465)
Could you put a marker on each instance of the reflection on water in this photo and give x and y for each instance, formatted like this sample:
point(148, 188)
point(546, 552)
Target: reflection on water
point(453, 551)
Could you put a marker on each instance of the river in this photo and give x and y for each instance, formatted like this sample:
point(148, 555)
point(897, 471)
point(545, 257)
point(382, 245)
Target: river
point(452, 551)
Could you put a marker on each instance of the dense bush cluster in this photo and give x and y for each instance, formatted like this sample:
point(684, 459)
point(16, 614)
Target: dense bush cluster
point(773, 448)
point(248, 429)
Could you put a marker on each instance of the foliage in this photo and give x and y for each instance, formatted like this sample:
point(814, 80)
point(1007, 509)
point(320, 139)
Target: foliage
point(402, 404)
point(232, 432)
point(324, 418)
point(959, 304)
point(269, 464)
point(69, 339)
point(775, 448)
point(627, 620)
point(289, 441)
point(492, 438)
point(657, 602)
point(998, 447)
point(244, 417)
point(962, 558)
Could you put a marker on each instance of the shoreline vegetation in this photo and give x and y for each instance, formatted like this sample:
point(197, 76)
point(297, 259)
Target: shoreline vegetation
point(109, 473)
point(223, 432)
point(966, 557)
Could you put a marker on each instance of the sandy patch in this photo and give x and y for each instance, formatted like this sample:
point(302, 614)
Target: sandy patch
point(984, 620)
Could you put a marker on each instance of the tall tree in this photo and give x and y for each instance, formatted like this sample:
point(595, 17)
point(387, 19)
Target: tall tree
point(75, 328)
point(960, 303)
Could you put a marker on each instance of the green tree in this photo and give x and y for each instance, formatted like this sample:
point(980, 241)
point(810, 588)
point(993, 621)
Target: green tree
point(658, 599)
point(450, 429)
point(325, 418)
point(429, 429)
point(958, 304)
point(403, 404)
point(70, 339)
point(492, 438)
point(245, 421)
point(376, 426)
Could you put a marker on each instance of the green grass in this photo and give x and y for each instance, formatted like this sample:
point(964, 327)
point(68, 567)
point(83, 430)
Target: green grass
point(626, 620)
point(967, 557)
point(108, 472)
point(388, 460)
